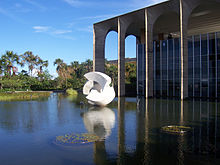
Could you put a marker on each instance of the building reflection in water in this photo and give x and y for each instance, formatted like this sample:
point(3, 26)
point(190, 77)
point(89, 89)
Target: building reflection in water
point(200, 144)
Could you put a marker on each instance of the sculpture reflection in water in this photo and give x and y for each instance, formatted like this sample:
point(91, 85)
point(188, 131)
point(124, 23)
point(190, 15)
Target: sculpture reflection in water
point(99, 121)
point(98, 89)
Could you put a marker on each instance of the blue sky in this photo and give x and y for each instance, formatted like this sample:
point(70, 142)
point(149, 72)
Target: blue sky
point(61, 28)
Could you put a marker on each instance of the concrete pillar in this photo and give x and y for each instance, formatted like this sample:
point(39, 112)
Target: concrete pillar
point(149, 54)
point(184, 15)
point(99, 35)
point(121, 57)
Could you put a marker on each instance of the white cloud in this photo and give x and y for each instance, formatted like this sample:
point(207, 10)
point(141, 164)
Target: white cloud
point(9, 14)
point(58, 33)
point(41, 29)
point(73, 3)
point(87, 29)
point(61, 31)
point(37, 5)
point(17, 7)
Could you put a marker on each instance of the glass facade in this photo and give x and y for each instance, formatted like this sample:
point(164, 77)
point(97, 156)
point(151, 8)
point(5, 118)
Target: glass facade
point(203, 67)
point(167, 68)
point(141, 70)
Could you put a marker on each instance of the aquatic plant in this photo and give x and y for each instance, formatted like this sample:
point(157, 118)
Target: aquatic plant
point(70, 139)
point(20, 96)
point(174, 129)
point(71, 92)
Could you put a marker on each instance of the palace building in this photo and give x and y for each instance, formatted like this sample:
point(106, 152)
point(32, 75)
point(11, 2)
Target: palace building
point(178, 48)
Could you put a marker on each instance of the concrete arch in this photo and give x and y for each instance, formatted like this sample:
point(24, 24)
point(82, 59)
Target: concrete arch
point(195, 3)
point(137, 31)
point(204, 17)
point(156, 11)
point(100, 31)
point(167, 23)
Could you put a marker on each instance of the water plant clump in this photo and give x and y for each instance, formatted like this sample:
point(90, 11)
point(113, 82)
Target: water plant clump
point(70, 139)
point(174, 129)
point(17, 96)
point(71, 92)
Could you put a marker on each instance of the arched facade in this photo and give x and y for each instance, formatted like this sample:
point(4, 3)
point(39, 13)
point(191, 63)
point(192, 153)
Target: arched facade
point(174, 19)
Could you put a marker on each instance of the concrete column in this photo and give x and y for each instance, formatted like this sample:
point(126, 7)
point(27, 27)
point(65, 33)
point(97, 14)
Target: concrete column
point(99, 35)
point(149, 55)
point(121, 57)
point(184, 15)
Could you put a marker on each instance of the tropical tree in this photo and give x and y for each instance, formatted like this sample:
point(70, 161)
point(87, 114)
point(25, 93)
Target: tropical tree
point(89, 65)
point(62, 70)
point(8, 62)
point(112, 71)
point(42, 64)
point(1, 67)
point(31, 60)
point(59, 64)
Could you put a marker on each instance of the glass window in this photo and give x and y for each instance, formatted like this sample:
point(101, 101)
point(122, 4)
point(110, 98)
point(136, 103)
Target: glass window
point(212, 88)
point(218, 42)
point(196, 87)
point(212, 73)
point(197, 45)
point(218, 69)
point(218, 88)
point(204, 44)
point(212, 47)
point(190, 87)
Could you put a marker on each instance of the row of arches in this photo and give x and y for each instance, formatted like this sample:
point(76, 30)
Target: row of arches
point(159, 22)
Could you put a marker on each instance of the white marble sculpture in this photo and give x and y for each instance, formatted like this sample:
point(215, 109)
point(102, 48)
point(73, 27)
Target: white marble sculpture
point(98, 89)
point(99, 121)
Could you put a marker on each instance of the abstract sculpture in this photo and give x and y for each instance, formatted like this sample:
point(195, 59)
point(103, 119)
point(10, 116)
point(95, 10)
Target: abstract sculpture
point(99, 121)
point(98, 89)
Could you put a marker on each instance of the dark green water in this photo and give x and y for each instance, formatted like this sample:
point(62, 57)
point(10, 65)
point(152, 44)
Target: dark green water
point(130, 132)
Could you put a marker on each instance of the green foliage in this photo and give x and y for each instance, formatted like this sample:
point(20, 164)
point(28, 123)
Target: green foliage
point(71, 91)
point(69, 76)
point(9, 96)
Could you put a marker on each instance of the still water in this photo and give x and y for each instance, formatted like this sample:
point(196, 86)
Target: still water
point(129, 130)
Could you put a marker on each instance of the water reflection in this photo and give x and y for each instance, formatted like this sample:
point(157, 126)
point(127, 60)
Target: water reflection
point(99, 121)
point(28, 116)
point(131, 132)
point(155, 147)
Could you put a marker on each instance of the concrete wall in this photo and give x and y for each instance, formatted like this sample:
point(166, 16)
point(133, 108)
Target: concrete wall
point(145, 24)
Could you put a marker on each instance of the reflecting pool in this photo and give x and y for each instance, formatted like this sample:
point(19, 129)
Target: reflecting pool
point(128, 132)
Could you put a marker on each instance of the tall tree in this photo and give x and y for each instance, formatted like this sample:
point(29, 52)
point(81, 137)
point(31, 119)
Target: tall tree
point(8, 62)
point(59, 64)
point(31, 60)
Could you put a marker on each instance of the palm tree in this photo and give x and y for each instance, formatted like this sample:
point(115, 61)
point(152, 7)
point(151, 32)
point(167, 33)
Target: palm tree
point(31, 60)
point(1, 67)
point(8, 61)
point(59, 64)
point(62, 69)
point(89, 64)
point(42, 64)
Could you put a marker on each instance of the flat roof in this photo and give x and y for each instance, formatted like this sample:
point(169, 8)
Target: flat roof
point(150, 6)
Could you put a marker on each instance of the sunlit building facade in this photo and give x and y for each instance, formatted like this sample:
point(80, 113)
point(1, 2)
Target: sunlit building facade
point(178, 48)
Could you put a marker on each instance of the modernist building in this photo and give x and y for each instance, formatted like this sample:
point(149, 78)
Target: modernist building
point(178, 48)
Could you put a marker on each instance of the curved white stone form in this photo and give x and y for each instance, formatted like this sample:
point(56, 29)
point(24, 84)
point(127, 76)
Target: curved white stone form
point(98, 88)
point(99, 121)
